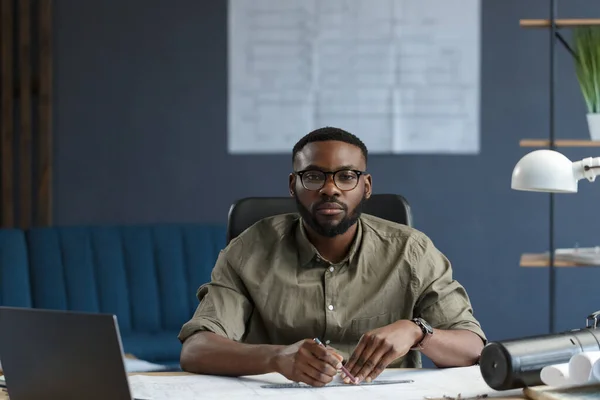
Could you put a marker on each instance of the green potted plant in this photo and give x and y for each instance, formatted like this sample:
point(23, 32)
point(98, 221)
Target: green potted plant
point(586, 43)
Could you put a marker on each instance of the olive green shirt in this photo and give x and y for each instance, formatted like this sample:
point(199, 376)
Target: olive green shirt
point(271, 286)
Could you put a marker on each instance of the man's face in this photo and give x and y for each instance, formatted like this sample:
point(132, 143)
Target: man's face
point(333, 208)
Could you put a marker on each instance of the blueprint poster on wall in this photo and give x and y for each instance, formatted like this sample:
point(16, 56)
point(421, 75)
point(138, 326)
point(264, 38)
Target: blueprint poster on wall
point(404, 75)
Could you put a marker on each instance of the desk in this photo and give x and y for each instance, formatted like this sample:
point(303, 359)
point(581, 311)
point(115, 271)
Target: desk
point(4, 395)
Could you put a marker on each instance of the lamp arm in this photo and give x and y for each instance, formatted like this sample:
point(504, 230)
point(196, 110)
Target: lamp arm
point(587, 168)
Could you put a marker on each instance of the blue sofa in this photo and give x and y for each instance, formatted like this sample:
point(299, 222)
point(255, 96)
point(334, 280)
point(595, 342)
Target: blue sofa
point(146, 275)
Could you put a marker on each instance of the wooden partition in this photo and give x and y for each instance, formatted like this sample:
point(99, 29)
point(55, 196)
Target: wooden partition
point(26, 117)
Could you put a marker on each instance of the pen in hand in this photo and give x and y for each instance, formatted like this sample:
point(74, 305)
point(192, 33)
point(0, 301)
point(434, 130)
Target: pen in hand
point(348, 374)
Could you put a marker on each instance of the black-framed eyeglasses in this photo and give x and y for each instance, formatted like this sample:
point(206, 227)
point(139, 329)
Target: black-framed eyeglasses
point(344, 179)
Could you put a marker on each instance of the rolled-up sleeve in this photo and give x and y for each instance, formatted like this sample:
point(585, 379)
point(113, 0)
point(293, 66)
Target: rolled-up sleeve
point(441, 300)
point(224, 306)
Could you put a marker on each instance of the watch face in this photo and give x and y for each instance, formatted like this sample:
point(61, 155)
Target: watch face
point(425, 325)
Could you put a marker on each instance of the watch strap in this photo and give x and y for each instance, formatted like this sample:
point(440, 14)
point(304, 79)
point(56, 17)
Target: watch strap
point(427, 332)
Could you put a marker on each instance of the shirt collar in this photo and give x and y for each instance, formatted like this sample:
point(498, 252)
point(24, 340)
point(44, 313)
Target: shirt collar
point(307, 251)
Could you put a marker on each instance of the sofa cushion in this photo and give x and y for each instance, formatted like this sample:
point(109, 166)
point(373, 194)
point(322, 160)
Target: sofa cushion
point(146, 275)
point(14, 272)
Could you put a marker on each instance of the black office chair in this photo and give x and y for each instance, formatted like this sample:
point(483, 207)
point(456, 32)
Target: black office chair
point(245, 212)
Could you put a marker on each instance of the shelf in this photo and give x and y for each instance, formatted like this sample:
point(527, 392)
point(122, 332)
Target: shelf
point(560, 23)
point(541, 260)
point(558, 143)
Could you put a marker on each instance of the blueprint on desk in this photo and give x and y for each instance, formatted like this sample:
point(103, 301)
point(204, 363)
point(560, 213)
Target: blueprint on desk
point(466, 382)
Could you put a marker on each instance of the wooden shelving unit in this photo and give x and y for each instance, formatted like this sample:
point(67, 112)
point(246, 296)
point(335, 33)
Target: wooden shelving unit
point(560, 23)
point(538, 260)
point(558, 143)
point(554, 26)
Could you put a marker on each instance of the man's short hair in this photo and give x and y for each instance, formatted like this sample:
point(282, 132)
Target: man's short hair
point(329, 133)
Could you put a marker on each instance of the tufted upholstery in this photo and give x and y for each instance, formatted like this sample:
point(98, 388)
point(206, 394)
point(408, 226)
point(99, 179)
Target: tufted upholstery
point(146, 275)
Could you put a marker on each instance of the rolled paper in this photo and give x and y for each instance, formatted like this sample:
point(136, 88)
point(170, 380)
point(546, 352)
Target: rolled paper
point(581, 367)
point(556, 375)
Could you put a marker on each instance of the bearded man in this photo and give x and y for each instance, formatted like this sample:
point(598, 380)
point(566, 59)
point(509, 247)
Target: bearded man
point(377, 293)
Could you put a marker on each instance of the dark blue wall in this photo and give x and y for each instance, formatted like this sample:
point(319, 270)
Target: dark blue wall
point(140, 124)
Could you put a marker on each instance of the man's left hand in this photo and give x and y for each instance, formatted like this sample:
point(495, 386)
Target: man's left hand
point(378, 348)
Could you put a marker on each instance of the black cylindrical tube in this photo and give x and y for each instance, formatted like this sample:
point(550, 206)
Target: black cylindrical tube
point(517, 363)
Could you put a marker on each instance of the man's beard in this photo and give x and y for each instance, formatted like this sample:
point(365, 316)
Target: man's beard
point(331, 230)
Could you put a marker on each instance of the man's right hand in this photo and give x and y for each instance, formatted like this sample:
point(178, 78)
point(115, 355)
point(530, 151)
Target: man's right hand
point(306, 361)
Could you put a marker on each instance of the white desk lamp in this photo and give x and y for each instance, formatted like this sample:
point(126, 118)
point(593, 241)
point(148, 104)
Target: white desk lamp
point(551, 171)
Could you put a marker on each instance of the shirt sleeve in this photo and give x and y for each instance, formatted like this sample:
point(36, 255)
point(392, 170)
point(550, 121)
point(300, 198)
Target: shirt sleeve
point(441, 300)
point(224, 306)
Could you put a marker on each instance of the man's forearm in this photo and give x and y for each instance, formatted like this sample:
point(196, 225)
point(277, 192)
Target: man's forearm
point(453, 348)
point(208, 353)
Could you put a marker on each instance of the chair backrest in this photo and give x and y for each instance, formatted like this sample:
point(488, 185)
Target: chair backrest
point(245, 212)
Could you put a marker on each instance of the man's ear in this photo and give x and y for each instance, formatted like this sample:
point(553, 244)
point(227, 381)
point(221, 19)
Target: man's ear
point(368, 186)
point(291, 184)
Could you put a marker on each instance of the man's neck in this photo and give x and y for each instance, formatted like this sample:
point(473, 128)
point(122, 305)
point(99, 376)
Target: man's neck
point(334, 249)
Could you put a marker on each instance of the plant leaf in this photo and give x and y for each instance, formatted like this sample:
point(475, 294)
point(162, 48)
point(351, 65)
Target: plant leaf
point(586, 43)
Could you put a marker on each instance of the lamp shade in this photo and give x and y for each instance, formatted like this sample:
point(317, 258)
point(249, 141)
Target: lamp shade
point(545, 171)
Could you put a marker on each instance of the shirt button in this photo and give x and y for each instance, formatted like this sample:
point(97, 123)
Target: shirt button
point(330, 307)
point(331, 269)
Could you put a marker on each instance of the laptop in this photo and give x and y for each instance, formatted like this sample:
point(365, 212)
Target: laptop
point(54, 354)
